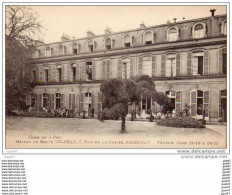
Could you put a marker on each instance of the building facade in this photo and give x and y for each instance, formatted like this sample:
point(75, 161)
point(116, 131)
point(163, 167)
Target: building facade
point(186, 60)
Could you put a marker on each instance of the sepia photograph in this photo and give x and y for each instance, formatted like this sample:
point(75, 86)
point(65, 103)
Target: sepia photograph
point(116, 77)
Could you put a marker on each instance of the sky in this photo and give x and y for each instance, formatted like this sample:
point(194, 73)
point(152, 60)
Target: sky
point(77, 20)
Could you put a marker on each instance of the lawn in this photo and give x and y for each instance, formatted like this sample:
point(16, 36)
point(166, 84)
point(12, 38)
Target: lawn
point(90, 133)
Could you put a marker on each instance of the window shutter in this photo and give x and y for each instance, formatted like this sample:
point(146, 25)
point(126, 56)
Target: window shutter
point(54, 73)
point(189, 63)
point(92, 98)
point(119, 68)
point(193, 100)
point(206, 103)
point(49, 101)
point(81, 102)
point(68, 72)
point(103, 70)
point(52, 101)
point(99, 102)
point(39, 101)
point(140, 66)
point(131, 66)
point(153, 58)
point(36, 102)
point(71, 78)
point(70, 101)
point(108, 69)
point(83, 72)
point(62, 101)
point(78, 72)
point(28, 99)
point(93, 70)
point(220, 60)
point(206, 62)
point(163, 71)
point(63, 69)
point(41, 74)
point(194, 66)
point(49, 73)
point(178, 64)
point(73, 101)
point(178, 101)
point(220, 105)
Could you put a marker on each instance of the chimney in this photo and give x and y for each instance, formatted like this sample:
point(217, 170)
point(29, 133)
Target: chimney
point(212, 12)
point(108, 30)
point(142, 25)
point(174, 20)
point(90, 34)
point(38, 42)
point(65, 37)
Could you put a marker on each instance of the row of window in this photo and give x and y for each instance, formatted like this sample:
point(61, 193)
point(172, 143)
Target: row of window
point(199, 102)
point(197, 64)
point(173, 33)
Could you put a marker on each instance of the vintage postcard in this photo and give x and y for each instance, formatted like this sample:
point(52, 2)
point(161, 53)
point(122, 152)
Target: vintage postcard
point(116, 77)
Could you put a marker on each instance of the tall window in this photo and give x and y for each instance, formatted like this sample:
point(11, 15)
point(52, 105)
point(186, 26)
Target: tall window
point(148, 38)
point(89, 71)
point(46, 75)
point(108, 43)
point(197, 63)
point(58, 100)
point(172, 34)
point(171, 65)
point(32, 100)
point(199, 102)
point(172, 96)
point(34, 75)
point(45, 100)
point(59, 70)
point(127, 41)
point(74, 48)
point(147, 66)
point(74, 70)
point(198, 31)
point(125, 70)
point(223, 105)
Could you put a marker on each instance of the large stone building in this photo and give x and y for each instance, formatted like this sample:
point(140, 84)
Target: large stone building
point(186, 59)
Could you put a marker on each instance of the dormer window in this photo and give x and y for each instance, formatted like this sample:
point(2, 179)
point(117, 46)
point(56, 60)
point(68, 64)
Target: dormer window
point(199, 31)
point(108, 43)
point(60, 50)
point(148, 38)
point(224, 27)
point(91, 45)
point(49, 51)
point(74, 48)
point(172, 34)
point(127, 41)
point(37, 53)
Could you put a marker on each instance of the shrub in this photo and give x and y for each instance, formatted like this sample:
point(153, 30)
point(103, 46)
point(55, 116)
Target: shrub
point(38, 114)
point(186, 122)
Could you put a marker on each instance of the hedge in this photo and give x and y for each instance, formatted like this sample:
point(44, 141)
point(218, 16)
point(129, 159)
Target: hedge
point(185, 122)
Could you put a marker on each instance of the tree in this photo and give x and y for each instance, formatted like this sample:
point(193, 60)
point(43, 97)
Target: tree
point(22, 25)
point(118, 93)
